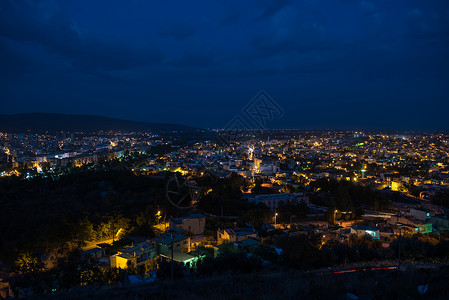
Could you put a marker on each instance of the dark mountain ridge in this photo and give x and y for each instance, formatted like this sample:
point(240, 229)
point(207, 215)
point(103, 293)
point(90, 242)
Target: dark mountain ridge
point(52, 122)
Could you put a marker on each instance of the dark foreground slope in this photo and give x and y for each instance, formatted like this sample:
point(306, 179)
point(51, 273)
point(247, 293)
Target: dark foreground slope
point(285, 285)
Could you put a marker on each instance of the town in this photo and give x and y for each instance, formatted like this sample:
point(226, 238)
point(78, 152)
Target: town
point(137, 208)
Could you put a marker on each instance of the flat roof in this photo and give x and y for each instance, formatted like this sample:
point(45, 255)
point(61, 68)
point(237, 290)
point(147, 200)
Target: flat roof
point(178, 256)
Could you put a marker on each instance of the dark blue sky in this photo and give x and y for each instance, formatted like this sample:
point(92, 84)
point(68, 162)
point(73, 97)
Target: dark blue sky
point(328, 64)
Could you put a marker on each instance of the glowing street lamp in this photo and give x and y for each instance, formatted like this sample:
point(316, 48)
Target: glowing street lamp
point(275, 215)
point(158, 216)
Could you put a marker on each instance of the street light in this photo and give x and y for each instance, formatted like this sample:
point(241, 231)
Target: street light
point(158, 216)
point(275, 215)
point(172, 235)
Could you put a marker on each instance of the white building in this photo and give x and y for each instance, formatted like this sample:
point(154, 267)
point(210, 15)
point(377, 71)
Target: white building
point(274, 200)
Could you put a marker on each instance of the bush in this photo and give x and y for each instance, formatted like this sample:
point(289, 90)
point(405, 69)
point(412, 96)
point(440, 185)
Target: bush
point(234, 262)
point(164, 271)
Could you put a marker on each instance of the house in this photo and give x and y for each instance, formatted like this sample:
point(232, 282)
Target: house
point(420, 214)
point(95, 253)
point(193, 223)
point(267, 227)
point(180, 243)
point(179, 257)
point(134, 256)
point(386, 233)
point(235, 234)
point(404, 221)
point(272, 201)
point(5, 287)
point(424, 228)
point(440, 223)
point(181, 249)
point(410, 224)
point(247, 244)
point(143, 253)
point(361, 230)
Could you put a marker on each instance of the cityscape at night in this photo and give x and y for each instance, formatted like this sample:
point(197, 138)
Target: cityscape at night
point(266, 149)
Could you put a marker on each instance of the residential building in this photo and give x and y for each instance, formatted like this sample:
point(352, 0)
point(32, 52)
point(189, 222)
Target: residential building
point(272, 201)
point(235, 234)
point(193, 223)
point(134, 256)
point(361, 230)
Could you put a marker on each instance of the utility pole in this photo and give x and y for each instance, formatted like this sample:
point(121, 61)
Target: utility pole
point(399, 242)
point(172, 244)
point(113, 235)
point(399, 251)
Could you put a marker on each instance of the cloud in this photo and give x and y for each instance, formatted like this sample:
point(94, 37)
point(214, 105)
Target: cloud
point(178, 30)
point(292, 32)
point(415, 13)
point(271, 7)
point(370, 8)
point(231, 18)
point(434, 23)
point(192, 60)
point(42, 23)
point(13, 60)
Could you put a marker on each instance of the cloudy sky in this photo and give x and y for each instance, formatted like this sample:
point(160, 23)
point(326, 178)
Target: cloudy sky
point(328, 64)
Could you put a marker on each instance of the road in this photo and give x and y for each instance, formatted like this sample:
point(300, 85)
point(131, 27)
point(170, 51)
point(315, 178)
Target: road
point(93, 244)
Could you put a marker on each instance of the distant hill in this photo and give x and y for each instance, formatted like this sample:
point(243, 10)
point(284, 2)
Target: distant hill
point(39, 122)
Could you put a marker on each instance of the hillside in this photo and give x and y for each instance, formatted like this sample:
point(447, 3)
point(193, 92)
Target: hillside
point(280, 285)
point(38, 122)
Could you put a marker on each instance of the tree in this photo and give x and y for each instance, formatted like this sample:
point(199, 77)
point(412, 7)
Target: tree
point(288, 189)
point(300, 251)
point(26, 262)
point(228, 261)
point(85, 229)
point(152, 264)
point(441, 198)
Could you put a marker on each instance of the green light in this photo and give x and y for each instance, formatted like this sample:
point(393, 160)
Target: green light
point(363, 170)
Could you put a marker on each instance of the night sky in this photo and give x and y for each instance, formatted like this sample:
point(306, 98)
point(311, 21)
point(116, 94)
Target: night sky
point(328, 64)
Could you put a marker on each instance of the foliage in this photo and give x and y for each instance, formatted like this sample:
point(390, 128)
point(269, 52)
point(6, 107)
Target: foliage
point(259, 213)
point(300, 210)
point(236, 262)
point(26, 262)
point(348, 196)
point(225, 196)
point(41, 214)
point(164, 271)
point(300, 251)
point(441, 198)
